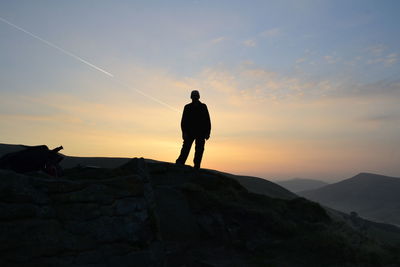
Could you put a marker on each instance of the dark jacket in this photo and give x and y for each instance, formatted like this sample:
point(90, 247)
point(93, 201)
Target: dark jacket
point(196, 120)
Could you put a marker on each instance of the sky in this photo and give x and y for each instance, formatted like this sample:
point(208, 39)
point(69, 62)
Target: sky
point(303, 88)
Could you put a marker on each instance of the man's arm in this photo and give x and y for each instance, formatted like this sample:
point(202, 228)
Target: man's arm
point(207, 122)
point(184, 122)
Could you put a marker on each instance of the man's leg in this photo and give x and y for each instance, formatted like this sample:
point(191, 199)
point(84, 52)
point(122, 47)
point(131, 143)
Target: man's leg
point(187, 144)
point(198, 154)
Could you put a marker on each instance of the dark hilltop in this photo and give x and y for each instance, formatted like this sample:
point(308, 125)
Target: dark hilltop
point(150, 213)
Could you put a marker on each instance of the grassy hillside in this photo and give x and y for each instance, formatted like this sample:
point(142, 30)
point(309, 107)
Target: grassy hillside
point(301, 184)
point(236, 227)
point(372, 196)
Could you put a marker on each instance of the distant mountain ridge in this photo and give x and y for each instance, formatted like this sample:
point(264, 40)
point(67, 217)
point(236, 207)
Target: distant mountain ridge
point(373, 196)
point(301, 184)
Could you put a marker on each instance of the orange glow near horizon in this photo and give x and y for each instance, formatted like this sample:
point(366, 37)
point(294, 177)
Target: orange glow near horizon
point(287, 99)
point(271, 139)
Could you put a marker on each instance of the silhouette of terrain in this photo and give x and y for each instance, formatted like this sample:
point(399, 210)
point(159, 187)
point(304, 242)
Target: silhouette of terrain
point(69, 161)
point(372, 196)
point(253, 184)
point(262, 186)
point(301, 184)
point(6, 148)
point(151, 213)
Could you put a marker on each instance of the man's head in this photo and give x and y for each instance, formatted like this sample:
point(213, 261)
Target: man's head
point(195, 95)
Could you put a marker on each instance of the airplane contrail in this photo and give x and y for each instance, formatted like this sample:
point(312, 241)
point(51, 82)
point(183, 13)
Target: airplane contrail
point(146, 95)
point(56, 47)
point(86, 62)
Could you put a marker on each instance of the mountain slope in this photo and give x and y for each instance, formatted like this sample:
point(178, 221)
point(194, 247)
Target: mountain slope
point(373, 196)
point(301, 184)
point(147, 213)
point(262, 186)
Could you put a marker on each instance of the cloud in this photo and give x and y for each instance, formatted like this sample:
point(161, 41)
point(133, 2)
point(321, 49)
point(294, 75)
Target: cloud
point(271, 33)
point(331, 59)
point(27, 117)
point(382, 117)
point(376, 50)
point(218, 40)
point(353, 89)
point(379, 54)
point(248, 83)
point(274, 32)
point(300, 60)
point(391, 59)
point(387, 60)
point(250, 43)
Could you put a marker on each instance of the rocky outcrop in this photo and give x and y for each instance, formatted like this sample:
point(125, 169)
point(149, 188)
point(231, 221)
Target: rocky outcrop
point(79, 222)
point(33, 158)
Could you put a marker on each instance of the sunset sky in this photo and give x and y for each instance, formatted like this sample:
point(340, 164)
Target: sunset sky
point(300, 88)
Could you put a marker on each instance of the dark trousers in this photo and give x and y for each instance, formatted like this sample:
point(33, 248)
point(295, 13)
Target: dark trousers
point(198, 154)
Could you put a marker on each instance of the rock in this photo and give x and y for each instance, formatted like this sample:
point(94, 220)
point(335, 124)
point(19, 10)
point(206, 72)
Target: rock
point(33, 158)
point(82, 222)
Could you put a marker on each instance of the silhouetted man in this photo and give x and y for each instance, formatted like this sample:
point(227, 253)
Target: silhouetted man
point(196, 126)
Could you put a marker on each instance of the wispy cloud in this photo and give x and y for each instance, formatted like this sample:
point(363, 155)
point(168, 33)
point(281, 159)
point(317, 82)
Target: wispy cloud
point(271, 32)
point(250, 43)
point(28, 117)
point(376, 50)
point(387, 60)
point(251, 84)
point(382, 117)
point(391, 59)
point(300, 60)
point(379, 54)
point(331, 59)
point(218, 40)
